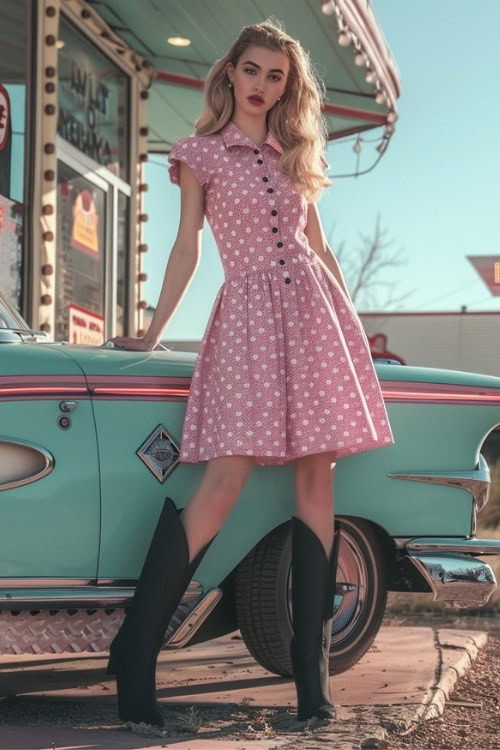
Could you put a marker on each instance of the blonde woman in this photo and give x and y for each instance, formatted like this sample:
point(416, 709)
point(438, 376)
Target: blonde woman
point(283, 374)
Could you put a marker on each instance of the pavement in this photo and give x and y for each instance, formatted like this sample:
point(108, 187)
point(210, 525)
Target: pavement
point(220, 699)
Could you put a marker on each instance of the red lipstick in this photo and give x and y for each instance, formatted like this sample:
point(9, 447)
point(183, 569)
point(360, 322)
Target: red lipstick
point(255, 99)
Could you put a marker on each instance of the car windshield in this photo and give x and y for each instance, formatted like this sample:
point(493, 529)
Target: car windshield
point(9, 317)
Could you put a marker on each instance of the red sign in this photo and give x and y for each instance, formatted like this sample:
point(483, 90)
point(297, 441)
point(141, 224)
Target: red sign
point(4, 117)
point(488, 268)
point(85, 326)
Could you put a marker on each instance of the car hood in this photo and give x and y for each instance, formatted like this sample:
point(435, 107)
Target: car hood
point(101, 361)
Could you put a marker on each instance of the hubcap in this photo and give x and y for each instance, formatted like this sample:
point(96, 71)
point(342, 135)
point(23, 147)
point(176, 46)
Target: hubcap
point(351, 587)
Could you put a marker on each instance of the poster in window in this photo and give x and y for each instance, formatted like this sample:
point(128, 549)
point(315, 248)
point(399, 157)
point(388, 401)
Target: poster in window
point(85, 232)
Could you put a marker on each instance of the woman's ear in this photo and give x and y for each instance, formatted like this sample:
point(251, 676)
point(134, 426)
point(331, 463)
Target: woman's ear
point(230, 71)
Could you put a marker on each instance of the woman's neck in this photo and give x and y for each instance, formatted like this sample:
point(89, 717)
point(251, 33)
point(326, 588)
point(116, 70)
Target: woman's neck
point(256, 130)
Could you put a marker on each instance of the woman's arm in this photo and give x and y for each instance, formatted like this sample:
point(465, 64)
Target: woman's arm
point(182, 263)
point(317, 240)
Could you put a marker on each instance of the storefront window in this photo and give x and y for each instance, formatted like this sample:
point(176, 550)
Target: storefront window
point(122, 265)
point(13, 86)
point(81, 234)
point(93, 96)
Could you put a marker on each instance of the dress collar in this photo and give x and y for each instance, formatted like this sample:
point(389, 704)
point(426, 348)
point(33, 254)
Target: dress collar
point(234, 136)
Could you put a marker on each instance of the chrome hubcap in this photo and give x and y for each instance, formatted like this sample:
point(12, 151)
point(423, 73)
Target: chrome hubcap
point(351, 587)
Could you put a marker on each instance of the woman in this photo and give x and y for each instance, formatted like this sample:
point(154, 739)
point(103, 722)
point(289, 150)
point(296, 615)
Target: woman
point(284, 372)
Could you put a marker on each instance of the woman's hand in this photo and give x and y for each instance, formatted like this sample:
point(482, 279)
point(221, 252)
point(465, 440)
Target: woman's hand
point(130, 343)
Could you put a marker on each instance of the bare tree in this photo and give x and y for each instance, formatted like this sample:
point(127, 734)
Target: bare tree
point(364, 271)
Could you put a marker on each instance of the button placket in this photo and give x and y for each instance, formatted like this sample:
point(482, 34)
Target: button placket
point(274, 211)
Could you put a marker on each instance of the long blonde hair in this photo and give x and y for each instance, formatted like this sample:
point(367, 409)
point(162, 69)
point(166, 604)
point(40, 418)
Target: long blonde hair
point(295, 120)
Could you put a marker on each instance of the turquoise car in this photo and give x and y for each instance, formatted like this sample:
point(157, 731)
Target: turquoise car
point(89, 448)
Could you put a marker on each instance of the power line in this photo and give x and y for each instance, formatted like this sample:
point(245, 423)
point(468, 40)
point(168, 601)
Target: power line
point(448, 294)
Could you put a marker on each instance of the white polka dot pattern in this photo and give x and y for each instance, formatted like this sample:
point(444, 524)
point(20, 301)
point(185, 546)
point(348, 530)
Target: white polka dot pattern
point(284, 367)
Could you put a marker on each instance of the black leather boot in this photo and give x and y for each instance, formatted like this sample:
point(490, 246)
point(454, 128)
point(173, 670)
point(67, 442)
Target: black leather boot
point(313, 590)
point(164, 578)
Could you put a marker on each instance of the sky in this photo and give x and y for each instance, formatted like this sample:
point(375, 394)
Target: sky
point(436, 188)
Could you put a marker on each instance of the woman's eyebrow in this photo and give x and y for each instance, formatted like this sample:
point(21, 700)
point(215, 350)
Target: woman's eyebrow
point(272, 70)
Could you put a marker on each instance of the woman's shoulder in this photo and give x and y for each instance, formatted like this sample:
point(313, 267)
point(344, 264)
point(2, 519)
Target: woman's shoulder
point(194, 141)
point(196, 151)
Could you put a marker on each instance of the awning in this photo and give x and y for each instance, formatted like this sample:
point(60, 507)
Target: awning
point(342, 36)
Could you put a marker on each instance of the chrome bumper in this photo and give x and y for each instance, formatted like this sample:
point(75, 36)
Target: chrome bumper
point(450, 567)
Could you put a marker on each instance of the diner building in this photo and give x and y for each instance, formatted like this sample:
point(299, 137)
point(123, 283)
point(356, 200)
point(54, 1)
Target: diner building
point(89, 89)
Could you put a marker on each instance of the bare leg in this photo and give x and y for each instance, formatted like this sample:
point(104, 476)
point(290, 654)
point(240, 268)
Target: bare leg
point(217, 493)
point(313, 479)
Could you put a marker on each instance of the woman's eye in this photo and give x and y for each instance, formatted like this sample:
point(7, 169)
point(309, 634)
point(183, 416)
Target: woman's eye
point(249, 70)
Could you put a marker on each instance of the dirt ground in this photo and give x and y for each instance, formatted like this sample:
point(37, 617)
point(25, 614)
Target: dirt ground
point(471, 718)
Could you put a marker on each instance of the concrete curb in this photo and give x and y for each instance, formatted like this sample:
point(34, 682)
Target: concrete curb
point(450, 667)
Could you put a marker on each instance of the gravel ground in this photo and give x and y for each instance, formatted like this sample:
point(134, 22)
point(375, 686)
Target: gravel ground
point(471, 718)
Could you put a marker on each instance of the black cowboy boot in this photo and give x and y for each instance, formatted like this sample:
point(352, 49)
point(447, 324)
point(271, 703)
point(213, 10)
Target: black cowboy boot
point(313, 590)
point(164, 578)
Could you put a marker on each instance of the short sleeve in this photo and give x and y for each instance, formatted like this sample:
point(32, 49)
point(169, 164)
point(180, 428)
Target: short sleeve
point(190, 151)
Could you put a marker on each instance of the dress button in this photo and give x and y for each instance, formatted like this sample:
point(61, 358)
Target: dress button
point(270, 190)
point(279, 244)
point(260, 161)
point(274, 230)
point(274, 212)
point(287, 280)
point(282, 262)
point(265, 179)
point(256, 151)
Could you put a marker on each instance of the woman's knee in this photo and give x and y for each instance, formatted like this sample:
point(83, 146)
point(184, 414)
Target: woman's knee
point(314, 470)
point(228, 474)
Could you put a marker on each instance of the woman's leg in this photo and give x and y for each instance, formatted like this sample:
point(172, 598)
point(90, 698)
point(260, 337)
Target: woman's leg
point(217, 493)
point(171, 561)
point(313, 479)
point(314, 561)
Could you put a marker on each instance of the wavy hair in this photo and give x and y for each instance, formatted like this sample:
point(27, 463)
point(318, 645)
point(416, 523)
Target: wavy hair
point(295, 120)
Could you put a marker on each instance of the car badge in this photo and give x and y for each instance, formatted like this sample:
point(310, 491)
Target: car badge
point(160, 453)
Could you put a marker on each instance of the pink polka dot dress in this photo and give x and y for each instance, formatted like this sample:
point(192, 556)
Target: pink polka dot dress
point(284, 367)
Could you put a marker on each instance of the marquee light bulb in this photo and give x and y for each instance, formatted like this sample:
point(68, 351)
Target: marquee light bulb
point(179, 41)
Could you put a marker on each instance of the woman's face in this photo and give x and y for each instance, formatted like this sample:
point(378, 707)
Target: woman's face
point(259, 78)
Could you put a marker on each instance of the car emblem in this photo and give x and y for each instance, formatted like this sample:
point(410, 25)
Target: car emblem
point(160, 453)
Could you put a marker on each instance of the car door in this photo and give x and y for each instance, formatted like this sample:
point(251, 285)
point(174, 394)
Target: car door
point(49, 478)
point(139, 400)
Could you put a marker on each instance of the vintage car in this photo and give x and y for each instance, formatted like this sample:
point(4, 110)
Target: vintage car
point(89, 448)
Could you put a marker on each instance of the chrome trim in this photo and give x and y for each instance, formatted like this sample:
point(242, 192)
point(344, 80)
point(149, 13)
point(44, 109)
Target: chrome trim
point(53, 593)
point(466, 546)
point(42, 583)
point(179, 637)
point(193, 591)
point(48, 458)
point(456, 580)
point(465, 480)
point(62, 598)
point(400, 542)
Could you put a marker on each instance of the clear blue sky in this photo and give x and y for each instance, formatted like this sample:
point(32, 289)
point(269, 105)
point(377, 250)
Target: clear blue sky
point(436, 188)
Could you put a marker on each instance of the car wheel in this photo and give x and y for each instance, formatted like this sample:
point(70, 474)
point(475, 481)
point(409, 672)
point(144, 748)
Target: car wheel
point(263, 597)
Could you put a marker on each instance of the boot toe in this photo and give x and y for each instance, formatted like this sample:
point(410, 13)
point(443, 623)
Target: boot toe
point(150, 715)
point(325, 712)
